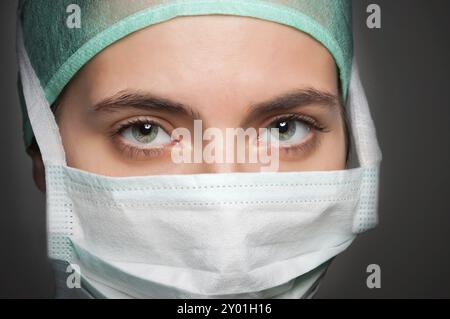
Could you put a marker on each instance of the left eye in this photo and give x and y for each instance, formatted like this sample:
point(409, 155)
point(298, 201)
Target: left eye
point(290, 132)
point(146, 134)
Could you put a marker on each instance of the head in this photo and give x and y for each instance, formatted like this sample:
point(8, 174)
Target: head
point(117, 114)
point(141, 83)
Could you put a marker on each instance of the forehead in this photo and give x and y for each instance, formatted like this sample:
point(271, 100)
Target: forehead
point(223, 58)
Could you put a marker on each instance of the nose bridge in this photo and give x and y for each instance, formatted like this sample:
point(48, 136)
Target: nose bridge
point(223, 149)
point(225, 152)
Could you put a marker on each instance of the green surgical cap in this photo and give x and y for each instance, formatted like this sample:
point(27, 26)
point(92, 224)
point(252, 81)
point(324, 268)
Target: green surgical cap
point(57, 52)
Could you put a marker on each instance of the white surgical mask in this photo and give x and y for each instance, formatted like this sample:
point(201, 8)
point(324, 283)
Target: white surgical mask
point(234, 235)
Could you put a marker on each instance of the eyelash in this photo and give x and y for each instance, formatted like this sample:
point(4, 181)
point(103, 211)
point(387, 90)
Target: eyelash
point(309, 121)
point(131, 122)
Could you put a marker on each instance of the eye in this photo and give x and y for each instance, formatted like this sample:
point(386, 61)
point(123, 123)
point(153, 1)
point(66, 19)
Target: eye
point(145, 134)
point(290, 131)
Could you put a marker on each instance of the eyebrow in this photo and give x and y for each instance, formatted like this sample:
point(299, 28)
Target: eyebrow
point(146, 101)
point(292, 99)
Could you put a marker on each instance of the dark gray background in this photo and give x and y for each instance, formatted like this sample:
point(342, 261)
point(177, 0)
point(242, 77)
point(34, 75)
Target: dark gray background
point(405, 69)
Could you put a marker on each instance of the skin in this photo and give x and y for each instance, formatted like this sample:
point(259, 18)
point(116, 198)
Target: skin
point(221, 67)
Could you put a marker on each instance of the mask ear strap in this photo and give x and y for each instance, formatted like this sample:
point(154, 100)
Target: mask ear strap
point(41, 117)
point(363, 129)
point(368, 152)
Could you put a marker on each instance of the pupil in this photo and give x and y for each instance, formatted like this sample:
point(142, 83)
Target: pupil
point(283, 127)
point(145, 129)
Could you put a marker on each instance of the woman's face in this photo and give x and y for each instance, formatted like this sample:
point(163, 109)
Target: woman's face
point(117, 115)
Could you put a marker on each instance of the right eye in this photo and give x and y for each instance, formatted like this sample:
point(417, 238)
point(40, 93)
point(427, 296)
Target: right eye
point(145, 134)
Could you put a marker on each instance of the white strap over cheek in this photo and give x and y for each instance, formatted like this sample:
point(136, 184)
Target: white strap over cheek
point(42, 120)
